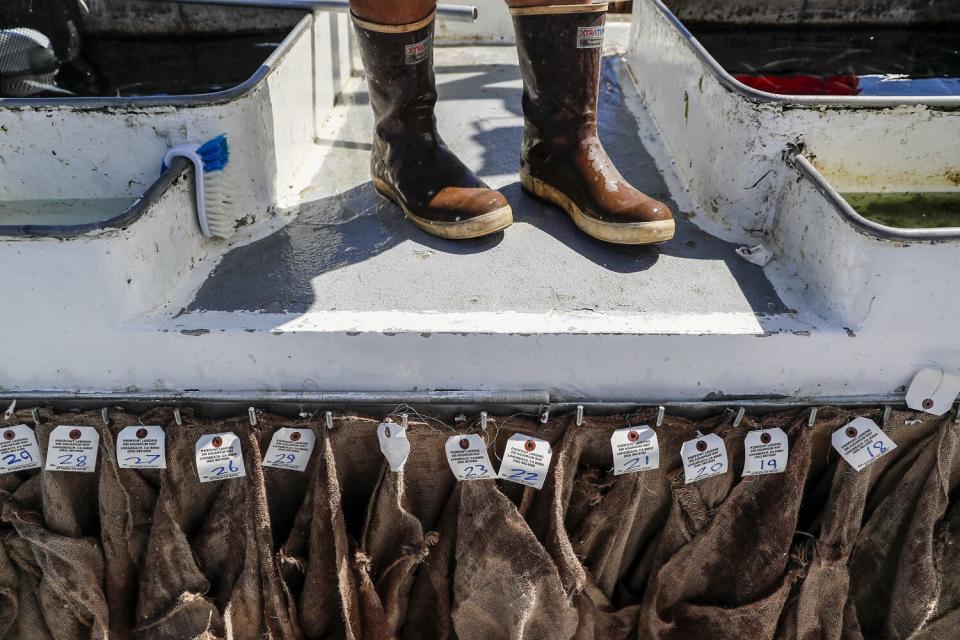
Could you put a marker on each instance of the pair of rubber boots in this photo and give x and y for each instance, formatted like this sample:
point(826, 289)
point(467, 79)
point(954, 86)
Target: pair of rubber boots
point(562, 159)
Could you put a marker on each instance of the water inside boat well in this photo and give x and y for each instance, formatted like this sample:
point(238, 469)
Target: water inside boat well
point(916, 210)
point(803, 60)
point(61, 212)
point(168, 66)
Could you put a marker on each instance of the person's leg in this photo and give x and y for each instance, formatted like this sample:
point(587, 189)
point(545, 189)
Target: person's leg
point(394, 12)
point(560, 43)
point(409, 163)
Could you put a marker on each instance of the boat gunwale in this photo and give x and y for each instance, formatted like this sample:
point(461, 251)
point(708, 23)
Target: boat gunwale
point(236, 92)
point(756, 95)
point(862, 223)
point(178, 167)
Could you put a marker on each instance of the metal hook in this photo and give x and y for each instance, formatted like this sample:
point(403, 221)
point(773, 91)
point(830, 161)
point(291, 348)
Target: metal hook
point(105, 416)
point(813, 417)
point(579, 414)
point(404, 419)
point(483, 420)
point(887, 410)
point(35, 414)
point(177, 417)
point(252, 414)
point(740, 413)
point(661, 412)
point(328, 419)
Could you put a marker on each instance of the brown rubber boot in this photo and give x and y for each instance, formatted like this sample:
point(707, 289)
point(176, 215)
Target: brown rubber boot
point(410, 163)
point(562, 161)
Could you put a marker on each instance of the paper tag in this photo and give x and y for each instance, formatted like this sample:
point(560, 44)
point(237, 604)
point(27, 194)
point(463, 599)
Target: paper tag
point(290, 448)
point(468, 459)
point(703, 457)
point(142, 448)
point(765, 451)
point(634, 449)
point(18, 449)
point(933, 391)
point(219, 457)
point(394, 444)
point(861, 442)
point(73, 449)
point(526, 460)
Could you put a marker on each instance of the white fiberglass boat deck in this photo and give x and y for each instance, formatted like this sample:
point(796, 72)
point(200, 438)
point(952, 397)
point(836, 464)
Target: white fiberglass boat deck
point(330, 289)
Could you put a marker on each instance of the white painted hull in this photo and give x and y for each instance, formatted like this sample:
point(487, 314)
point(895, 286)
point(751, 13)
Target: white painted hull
point(110, 311)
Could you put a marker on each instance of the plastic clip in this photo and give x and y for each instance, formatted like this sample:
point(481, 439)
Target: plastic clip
point(35, 414)
point(887, 410)
point(252, 414)
point(740, 413)
point(579, 414)
point(9, 412)
point(483, 420)
point(328, 420)
point(957, 419)
point(813, 417)
point(661, 412)
point(177, 417)
point(105, 416)
point(404, 419)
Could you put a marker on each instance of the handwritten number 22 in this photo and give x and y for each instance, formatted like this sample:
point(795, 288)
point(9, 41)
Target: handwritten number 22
point(522, 474)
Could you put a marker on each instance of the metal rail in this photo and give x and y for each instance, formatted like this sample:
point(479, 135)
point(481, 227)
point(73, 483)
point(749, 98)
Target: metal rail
point(451, 12)
point(284, 397)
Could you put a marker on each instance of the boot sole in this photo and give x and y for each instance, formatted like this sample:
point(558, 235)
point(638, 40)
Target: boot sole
point(483, 225)
point(613, 232)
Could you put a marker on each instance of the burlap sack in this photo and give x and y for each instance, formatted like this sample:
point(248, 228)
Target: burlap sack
point(317, 560)
point(403, 510)
point(488, 576)
point(943, 621)
point(819, 605)
point(204, 574)
point(127, 498)
point(53, 548)
point(16, 614)
point(591, 522)
point(895, 580)
point(721, 568)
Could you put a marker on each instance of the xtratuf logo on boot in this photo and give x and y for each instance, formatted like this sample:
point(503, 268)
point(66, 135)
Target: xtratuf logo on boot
point(418, 52)
point(589, 37)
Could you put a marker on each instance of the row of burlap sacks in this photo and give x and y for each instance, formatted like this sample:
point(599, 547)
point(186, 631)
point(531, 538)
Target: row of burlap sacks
point(348, 549)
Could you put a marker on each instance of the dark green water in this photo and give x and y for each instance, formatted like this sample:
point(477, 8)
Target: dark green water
point(909, 210)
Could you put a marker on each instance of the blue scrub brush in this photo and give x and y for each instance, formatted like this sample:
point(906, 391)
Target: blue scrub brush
point(214, 187)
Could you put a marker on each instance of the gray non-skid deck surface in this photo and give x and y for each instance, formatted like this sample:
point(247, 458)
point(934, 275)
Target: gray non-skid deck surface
point(354, 250)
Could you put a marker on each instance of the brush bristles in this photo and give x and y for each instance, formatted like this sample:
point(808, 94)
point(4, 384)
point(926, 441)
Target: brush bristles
point(219, 191)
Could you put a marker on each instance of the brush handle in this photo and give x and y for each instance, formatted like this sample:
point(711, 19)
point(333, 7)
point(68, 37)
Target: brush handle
point(452, 12)
point(189, 152)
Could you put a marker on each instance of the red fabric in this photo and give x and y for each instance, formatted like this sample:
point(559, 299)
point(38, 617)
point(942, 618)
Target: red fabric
point(804, 85)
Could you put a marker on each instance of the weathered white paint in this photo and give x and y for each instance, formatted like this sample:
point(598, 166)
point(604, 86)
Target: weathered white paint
point(101, 312)
point(731, 153)
point(56, 150)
